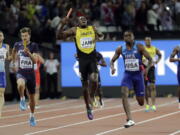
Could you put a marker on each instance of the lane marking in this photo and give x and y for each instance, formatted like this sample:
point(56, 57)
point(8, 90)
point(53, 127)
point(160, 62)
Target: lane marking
point(52, 110)
point(42, 106)
point(138, 123)
point(60, 116)
point(88, 121)
point(175, 133)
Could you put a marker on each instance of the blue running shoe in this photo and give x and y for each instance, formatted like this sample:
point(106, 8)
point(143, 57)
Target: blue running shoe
point(22, 105)
point(32, 121)
point(90, 114)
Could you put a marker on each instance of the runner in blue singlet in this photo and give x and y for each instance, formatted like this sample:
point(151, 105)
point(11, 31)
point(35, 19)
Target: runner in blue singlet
point(133, 77)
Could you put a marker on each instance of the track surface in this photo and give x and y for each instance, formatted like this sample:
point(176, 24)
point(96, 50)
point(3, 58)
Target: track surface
point(68, 117)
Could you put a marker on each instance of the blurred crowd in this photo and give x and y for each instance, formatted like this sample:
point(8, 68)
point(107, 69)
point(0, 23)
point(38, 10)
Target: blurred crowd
point(43, 16)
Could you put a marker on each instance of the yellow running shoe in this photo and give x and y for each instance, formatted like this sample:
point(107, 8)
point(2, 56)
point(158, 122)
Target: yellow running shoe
point(95, 103)
point(147, 108)
point(153, 108)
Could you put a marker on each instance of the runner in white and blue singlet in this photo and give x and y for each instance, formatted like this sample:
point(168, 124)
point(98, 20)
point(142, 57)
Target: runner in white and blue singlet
point(133, 77)
point(4, 54)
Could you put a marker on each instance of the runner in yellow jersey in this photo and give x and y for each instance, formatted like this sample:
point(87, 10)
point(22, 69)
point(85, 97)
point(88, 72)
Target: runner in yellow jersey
point(151, 89)
point(85, 37)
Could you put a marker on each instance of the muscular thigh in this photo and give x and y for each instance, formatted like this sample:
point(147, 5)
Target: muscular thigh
point(125, 91)
point(21, 81)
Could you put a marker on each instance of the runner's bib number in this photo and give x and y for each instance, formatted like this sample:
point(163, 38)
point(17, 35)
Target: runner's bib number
point(86, 42)
point(132, 65)
point(26, 63)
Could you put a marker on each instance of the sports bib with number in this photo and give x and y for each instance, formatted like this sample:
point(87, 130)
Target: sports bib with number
point(132, 64)
point(25, 63)
point(86, 42)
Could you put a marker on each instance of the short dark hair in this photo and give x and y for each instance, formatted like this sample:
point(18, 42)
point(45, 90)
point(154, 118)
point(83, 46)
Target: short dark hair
point(129, 31)
point(25, 29)
point(147, 37)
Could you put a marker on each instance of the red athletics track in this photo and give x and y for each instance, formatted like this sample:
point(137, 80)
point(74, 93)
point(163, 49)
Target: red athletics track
point(68, 117)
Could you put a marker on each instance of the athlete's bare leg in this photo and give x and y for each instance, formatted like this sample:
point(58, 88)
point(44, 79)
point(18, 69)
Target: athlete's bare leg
point(1, 99)
point(21, 87)
point(147, 94)
point(126, 105)
point(99, 93)
point(37, 94)
point(153, 93)
point(32, 102)
point(94, 84)
point(87, 99)
point(86, 94)
point(140, 100)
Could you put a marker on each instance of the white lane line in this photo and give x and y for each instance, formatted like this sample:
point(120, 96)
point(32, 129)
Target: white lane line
point(13, 103)
point(60, 116)
point(52, 104)
point(43, 106)
point(141, 122)
point(88, 121)
point(46, 111)
point(175, 133)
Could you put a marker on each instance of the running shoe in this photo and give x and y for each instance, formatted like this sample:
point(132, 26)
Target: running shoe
point(32, 121)
point(89, 114)
point(147, 108)
point(153, 108)
point(22, 105)
point(129, 123)
point(95, 103)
